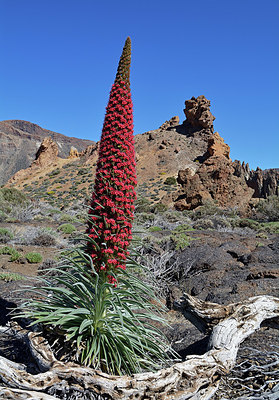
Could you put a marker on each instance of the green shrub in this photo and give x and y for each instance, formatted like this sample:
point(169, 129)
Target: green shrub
point(154, 229)
point(204, 223)
point(10, 251)
point(268, 209)
point(68, 218)
point(83, 171)
point(159, 208)
point(183, 228)
point(6, 250)
point(15, 255)
point(249, 223)
point(5, 235)
point(33, 257)
point(143, 217)
point(209, 207)
point(181, 241)
point(142, 205)
point(3, 216)
point(11, 276)
point(13, 196)
point(67, 228)
point(270, 227)
point(171, 180)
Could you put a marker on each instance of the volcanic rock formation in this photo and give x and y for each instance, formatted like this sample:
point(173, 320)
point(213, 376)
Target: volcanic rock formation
point(46, 155)
point(199, 158)
point(198, 115)
point(20, 141)
point(217, 178)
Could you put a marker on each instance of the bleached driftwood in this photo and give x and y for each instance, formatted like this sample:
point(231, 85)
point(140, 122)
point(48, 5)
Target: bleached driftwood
point(195, 378)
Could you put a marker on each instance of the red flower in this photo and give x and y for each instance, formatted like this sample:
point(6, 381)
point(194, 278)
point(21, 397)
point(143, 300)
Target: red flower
point(112, 207)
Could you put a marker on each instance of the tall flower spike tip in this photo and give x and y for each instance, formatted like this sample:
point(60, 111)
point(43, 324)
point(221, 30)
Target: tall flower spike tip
point(112, 208)
point(123, 70)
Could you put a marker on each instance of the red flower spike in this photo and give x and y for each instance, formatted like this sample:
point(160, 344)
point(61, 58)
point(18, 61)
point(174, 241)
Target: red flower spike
point(112, 200)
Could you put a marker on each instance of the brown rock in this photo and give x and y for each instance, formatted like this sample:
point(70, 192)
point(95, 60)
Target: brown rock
point(197, 112)
point(217, 147)
point(265, 183)
point(174, 121)
point(214, 180)
point(47, 154)
point(73, 153)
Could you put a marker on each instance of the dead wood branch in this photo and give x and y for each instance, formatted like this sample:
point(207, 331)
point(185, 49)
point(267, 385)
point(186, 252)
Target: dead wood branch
point(17, 394)
point(196, 378)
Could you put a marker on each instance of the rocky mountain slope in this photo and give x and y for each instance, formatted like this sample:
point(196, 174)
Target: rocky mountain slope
point(20, 141)
point(181, 165)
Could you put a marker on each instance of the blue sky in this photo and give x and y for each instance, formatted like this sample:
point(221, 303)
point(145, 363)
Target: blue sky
point(59, 59)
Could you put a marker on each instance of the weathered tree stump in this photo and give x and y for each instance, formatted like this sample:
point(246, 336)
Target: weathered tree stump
point(196, 378)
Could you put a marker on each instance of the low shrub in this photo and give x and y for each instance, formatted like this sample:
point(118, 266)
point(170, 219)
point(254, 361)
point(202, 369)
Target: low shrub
point(3, 216)
point(54, 173)
point(181, 241)
point(270, 227)
point(159, 208)
point(183, 228)
point(44, 240)
point(11, 276)
point(249, 223)
point(12, 196)
point(7, 250)
point(204, 223)
point(33, 257)
point(36, 236)
point(209, 207)
point(67, 228)
point(268, 209)
point(142, 205)
point(67, 218)
point(171, 180)
point(155, 229)
point(5, 235)
point(15, 255)
point(144, 217)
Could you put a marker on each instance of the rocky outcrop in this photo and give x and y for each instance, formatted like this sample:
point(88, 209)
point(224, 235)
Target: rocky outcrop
point(264, 183)
point(214, 180)
point(20, 141)
point(73, 153)
point(171, 123)
point(198, 115)
point(46, 155)
point(217, 178)
point(217, 147)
